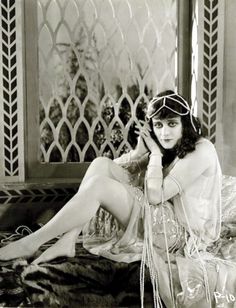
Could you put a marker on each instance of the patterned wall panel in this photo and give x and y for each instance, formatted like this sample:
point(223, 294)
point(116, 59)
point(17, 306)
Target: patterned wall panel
point(36, 195)
point(99, 63)
point(11, 108)
point(22, 204)
point(207, 78)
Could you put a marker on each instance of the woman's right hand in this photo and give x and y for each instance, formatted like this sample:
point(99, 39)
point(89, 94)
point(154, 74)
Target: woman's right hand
point(144, 131)
point(141, 148)
point(135, 154)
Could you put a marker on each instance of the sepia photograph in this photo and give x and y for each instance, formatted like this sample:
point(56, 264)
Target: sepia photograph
point(118, 153)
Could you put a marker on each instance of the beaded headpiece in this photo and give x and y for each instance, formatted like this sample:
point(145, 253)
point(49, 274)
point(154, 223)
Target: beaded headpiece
point(172, 97)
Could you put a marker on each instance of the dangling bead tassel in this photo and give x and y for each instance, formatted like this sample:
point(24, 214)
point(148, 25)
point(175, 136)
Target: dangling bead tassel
point(167, 252)
point(205, 275)
point(147, 257)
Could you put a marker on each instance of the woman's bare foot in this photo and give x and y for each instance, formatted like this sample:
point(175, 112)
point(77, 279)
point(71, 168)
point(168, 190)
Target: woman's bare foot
point(22, 248)
point(64, 247)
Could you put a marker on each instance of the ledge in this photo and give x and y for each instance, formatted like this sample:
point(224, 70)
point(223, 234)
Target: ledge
point(24, 203)
point(41, 183)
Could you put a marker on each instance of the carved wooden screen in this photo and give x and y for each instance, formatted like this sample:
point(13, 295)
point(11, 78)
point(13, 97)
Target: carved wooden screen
point(99, 62)
point(11, 92)
point(207, 66)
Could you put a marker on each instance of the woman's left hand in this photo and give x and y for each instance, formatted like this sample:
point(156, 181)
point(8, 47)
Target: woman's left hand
point(143, 129)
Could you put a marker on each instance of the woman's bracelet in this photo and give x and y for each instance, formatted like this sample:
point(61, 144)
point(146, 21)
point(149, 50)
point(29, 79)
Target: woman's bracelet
point(156, 154)
point(154, 166)
point(154, 171)
point(154, 177)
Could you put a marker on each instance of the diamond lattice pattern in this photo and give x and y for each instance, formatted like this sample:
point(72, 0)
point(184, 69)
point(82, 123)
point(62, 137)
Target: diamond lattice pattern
point(99, 63)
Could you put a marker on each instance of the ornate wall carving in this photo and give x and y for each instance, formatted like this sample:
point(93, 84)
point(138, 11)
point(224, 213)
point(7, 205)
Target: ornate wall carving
point(11, 102)
point(36, 195)
point(207, 80)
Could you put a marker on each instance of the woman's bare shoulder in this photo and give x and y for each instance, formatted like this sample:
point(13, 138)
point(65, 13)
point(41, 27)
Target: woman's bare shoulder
point(206, 147)
point(205, 143)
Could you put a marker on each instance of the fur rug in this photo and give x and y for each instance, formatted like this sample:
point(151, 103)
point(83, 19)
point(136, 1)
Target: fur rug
point(83, 281)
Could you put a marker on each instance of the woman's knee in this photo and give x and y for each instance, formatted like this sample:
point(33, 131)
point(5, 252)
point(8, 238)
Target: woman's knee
point(100, 165)
point(100, 162)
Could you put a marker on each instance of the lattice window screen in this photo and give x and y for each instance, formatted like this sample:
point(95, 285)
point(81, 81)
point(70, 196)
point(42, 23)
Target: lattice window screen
point(99, 62)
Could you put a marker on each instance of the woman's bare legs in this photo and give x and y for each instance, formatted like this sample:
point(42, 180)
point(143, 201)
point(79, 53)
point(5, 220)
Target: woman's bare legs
point(65, 246)
point(80, 209)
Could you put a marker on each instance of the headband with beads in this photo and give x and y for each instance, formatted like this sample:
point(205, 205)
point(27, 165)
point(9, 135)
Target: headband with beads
point(184, 104)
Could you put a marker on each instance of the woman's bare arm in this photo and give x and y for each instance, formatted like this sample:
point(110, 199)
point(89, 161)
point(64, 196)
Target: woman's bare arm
point(184, 173)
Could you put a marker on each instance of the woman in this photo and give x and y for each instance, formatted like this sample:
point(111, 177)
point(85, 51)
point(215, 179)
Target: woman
point(165, 195)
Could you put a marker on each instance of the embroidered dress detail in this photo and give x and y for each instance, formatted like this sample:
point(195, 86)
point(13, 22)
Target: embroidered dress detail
point(147, 255)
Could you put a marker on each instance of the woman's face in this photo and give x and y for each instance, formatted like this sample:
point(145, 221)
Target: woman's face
point(168, 131)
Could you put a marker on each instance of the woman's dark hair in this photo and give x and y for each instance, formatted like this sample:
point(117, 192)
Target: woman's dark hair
point(190, 136)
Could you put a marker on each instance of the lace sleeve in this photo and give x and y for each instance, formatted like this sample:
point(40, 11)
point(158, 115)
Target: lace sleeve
point(133, 165)
point(123, 159)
